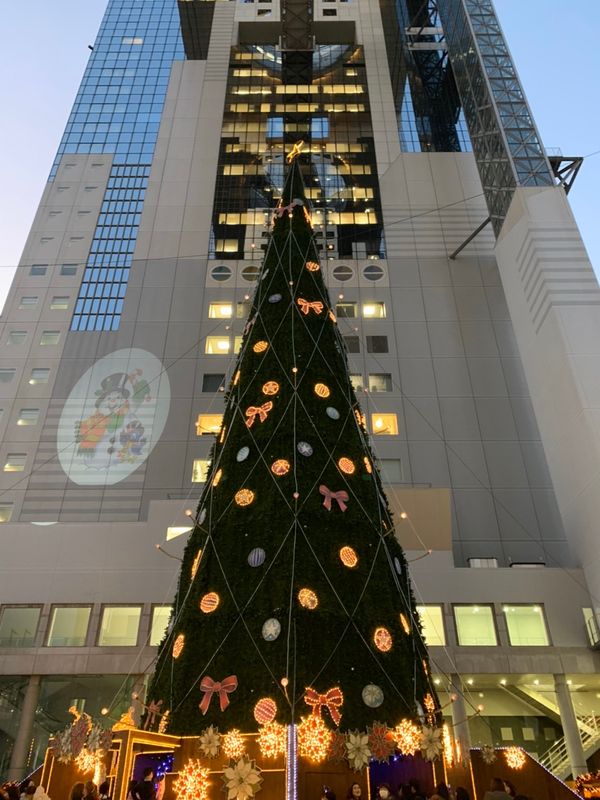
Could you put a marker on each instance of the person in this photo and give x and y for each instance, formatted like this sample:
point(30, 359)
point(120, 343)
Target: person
point(160, 787)
point(405, 792)
point(415, 788)
point(12, 790)
point(131, 789)
point(442, 792)
point(77, 791)
point(354, 792)
point(103, 790)
point(145, 790)
point(496, 791)
point(461, 793)
point(90, 791)
point(384, 792)
point(509, 788)
point(327, 794)
point(40, 793)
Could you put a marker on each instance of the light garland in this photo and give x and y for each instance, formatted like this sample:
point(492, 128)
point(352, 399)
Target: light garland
point(265, 710)
point(322, 390)
point(429, 704)
point(360, 418)
point(382, 639)
point(405, 624)
point(348, 557)
point(222, 436)
point(346, 465)
point(332, 316)
point(280, 467)
point(314, 738)
point(308, 599)
point(515, 757)
point(233, 744)
point(236, 378)
point(270, 388)
point(447, 748)
point(367, 463)
point(312, 266)
point(178, 645)
point(407, 737)
point(196, 563)
point(209, 602)
point(87, 761)
point(192, 782)
point(164, 722)
point(291, 765)
point(244, 497)
point(260, 347)
point(272, 740)
point(217, 478)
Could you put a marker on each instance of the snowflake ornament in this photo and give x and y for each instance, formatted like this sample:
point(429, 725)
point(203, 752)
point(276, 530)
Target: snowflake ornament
point(242, 779)
point(408, 737)
point(431, 743)
point(488, 754)
point(210, 742)
point(357, 750)
point(381, 742)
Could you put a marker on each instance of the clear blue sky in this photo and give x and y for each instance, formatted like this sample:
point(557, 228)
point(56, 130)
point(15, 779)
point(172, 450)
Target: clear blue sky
point(44, 52)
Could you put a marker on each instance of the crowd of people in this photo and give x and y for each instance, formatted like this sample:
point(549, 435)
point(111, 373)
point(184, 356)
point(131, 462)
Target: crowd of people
point(22, 791)
point(500, 789)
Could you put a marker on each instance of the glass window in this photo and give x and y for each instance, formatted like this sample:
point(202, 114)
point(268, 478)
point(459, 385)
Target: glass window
point(6, 510)
point(68, 269)
point(343, 272)
point(38, 269)
point(213, 381)
point(347, 310)
point(18, 626)
point(6, 375)
point(391, 470)
point(591, 625)
point(221, 273)
point(50, 337)
point(237, 343)
point(432, 625)
point(28, 416)
point(526, 626)
point(27, 302)
point(475, 625)
point(39, 375)
point(59, 303)
point(482, 563)
point(200, 470)
point(173, 531)
point(352, 344)
point(250, 274)
point(357, 382)
point(17, 337)
point(242, 309)
point(377, 344)
point(380, 382)
point(208, 424)
point(160, 622)
point(220, 311)
point(15, 462)
point(119, 626)
point(374, 310)
point(68, 626)
point(217, 345)
point(373, 272)
point(384, 424)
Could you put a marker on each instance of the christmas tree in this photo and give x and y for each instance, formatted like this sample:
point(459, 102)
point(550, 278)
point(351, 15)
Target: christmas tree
point(294, 599)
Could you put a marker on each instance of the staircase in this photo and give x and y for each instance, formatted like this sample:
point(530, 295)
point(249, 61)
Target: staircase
point(556, 758)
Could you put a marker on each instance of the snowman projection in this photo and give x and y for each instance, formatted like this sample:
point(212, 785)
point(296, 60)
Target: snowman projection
point(114, 433)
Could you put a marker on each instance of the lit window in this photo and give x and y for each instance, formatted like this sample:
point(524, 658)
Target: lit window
point(475, 626)
point(352, 344)
point(38, 269)
point(50, 337)
point(160, 622)
point(18, 626)
point(177, 530)
point(200, 470)
point(380, 382)
point(68, 269)
point(357, 382)
point(28, 416)
point(220, 311)
point(6, 375)
point(217, 345)
point(345, 310)
point(15, 462)
point(375, 310)
point(27, 303)
point(59, 304)
point(391, 470)
point(319, 128)
point(432, 625)
point(39, 375)
point(17, 337)
point(132, 40)
point(384, 424)
point(6, 510)
point(377, 344)
point(119, 626)
point(68, 626)
point(208, 424)
point(237, 344)
point(212, 381)
point(526, 626)
point(226, 245)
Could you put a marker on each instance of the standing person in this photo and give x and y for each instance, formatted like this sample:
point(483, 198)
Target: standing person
point(415, 789)
point(442, 792)
point(77, 791)
point(131, 789)
point(145, 789)
point(354, 792)
point(327, 794)
point(461, 793)
point(497, 791)
point(103, 790)
point(90, 791)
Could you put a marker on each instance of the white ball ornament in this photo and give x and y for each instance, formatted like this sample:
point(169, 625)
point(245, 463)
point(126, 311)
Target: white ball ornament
point(372, 695)
point(332, 412)
point(271, 630)
point(256, 557)
point(305, 449)
point(242, 454)
point(274, 298)
point(201, 516)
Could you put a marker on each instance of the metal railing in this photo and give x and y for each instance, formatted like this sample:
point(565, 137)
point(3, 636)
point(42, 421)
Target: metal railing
point(556, 758)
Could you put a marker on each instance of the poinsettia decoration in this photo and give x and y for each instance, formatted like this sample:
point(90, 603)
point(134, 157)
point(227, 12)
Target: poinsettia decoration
point(242, 779)
point(381, 741)
point(488, 754)
point(210, 742)
point(357, 750)
point(337, 748)
point(431, 743)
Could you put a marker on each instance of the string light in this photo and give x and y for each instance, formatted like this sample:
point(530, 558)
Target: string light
point(270, 388)
point(217, 478)
point(314, 738)
point(405, 624)
point(312, 266)
point(348, 557)
point(280, 467)
point(260, 347)
point(244, 497)
point(308, 599)
point(346, 466)
point(192, 782)
point(87, 761)
point(429, 703)
point(322, 390)
point(233, 744)
point(272, 740)
point(332, 316)
point(196, 563)
point(515, 757)
point(447, 745)
point(178, 645)
point(265, 710)
point(209, 602)
point(407, 737)
point(222, 436)
point(368, 465)
point(236, 378)
point(382, 640)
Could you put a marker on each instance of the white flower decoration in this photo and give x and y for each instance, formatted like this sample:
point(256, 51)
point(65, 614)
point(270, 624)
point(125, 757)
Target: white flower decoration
point(357, 746)
point(210, 742)
point(488, 754)
point(242, 779)
point(431, 743)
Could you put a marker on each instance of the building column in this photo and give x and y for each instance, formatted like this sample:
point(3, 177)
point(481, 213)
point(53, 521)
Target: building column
point(460, 715)
point(18, 759)
point(569, 725)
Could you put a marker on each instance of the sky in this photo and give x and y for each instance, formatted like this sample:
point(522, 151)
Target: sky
point(44, 50)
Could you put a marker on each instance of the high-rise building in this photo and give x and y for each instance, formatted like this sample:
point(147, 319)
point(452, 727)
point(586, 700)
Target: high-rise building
point(468, 305)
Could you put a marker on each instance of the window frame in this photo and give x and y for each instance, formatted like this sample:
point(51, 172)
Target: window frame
point(53, 609)
point(34, 606)
point(542, 616)
point(492, 609)
point(105, 607)
point(444, 642)
point(152, 610)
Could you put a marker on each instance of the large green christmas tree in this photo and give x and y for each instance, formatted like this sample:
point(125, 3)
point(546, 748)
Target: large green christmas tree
point(294, 590)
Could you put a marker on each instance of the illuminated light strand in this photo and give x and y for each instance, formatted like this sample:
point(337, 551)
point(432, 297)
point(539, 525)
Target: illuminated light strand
point(382, 639)
point(308, 599)
point(233, 744)
point(260, 347)
point(244, 497)
point(209, 602)
point(272, 739)
point(405, 624)
point(196, 563)
point(348, 557)
point(178, 645)
point(291, 764)
point(322, 390)
point(346, 466)
point(314, 738)
point(192, 782)
point(265, 710)
point(280, 467)
point(447, 745)
point(407, 737)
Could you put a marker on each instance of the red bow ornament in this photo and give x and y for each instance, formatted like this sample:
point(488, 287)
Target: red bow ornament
point(341, 497)
point(332, 700)
point(222, 688)
point(281, 210)
point(258, 411)
point(306, 306)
